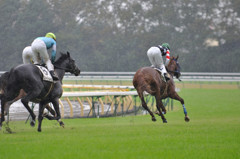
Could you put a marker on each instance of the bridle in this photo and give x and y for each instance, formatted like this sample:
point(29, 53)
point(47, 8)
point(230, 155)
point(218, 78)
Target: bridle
point(72, 70)
point(61, 68)
point(177, 71)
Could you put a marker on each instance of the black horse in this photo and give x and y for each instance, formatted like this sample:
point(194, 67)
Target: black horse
point(28, 78)
point(3, 83)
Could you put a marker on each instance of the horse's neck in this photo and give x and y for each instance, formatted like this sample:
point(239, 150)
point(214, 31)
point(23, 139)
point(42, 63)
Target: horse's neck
point(59, 69)
point(169, 69)
point(60, 73)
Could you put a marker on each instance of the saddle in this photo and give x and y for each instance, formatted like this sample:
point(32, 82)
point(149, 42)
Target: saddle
point(163, 78)
point(46, 74)
point(160, 73)
point(46, 77)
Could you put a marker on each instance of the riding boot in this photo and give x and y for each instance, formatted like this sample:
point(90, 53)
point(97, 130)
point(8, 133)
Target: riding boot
point(167, 77)
point(54, 76)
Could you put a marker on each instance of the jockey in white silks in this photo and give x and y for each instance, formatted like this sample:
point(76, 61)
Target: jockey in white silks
point(27, 55)
point(155, 54)
point(40, 47)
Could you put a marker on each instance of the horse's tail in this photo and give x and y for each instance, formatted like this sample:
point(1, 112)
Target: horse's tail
point(4, 81)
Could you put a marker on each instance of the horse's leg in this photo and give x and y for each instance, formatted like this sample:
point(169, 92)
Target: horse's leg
point(55, 103)
point(57, 116)
point(159, 105)
point(6, 100)
point(177, 97)
point(2, 112)
point(25, 100)
point(9, 103)
point(144, 105)
point(50, 117)
point(25, 103)
point(51, 110)
point(40, 116)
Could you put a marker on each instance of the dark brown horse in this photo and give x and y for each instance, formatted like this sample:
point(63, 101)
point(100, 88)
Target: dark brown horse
point(149, 80)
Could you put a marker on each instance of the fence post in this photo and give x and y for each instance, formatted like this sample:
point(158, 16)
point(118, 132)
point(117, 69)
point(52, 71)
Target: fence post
point(90, 105)
point(62, 108)
point(81, 105)
point(70, 105)
point(102, 106)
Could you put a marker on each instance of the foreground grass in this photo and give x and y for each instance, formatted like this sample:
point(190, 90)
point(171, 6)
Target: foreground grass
point(213, 132)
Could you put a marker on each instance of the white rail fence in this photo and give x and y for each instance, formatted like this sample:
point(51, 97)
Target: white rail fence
point(186, 76)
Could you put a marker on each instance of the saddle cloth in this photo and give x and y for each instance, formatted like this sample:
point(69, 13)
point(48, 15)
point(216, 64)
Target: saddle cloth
point(159, 71)
point(46, 74)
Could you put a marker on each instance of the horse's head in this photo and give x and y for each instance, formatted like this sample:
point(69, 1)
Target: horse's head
point(67, 63)
point(174, 67)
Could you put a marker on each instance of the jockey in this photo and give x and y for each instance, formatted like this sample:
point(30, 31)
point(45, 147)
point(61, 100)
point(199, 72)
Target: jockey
point(40, 47)
point(155, 54)
point(27, 55)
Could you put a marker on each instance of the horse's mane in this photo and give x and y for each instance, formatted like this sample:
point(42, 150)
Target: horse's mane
point(61, 58)
point(172, 58)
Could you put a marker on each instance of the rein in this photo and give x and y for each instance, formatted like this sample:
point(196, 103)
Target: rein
point(173, 74)
point(174, 71)
point(66, 69)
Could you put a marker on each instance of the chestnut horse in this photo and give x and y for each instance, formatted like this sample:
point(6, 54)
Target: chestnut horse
point(150, 80)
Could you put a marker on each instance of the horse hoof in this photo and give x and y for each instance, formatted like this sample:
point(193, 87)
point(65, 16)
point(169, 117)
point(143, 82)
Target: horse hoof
point(164, 121)
point(45, 114)
point(39, 130)
point(187, 119)
point(32, 123)
point(164, 112)
point(154, 119)
point(61, 124)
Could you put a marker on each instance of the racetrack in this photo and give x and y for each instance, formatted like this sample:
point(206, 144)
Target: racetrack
point(213, 132)
point(18, 111)
point(205, 85)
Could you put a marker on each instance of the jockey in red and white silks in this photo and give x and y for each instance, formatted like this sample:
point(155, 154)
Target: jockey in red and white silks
point(40, 54)
point(155, 54)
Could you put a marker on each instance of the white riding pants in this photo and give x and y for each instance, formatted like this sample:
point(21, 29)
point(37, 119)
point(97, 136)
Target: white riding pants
point(27, 55)
point(155, 57)
point(40, 53)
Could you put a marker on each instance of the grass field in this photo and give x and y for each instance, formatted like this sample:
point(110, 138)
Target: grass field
point(213, 132)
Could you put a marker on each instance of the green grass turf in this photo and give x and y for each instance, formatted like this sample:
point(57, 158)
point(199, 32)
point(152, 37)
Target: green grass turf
point(213, 132)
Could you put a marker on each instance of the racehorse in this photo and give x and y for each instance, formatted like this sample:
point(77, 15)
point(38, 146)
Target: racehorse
point(3, 83)
point(27, 77)
point(149, 80)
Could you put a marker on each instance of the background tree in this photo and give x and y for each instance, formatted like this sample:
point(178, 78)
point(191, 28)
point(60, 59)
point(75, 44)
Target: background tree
point(114, 35)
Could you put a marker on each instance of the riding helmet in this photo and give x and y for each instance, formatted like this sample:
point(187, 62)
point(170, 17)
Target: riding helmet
point(51, 35)
point(166, 45)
